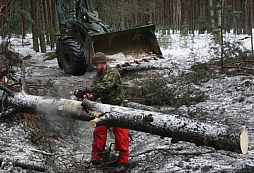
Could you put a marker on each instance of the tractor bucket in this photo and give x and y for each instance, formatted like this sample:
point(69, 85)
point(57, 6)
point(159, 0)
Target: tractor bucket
point(136, 40)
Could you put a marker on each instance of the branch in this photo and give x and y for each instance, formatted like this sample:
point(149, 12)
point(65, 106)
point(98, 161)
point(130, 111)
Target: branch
point(18, 163)
point(4, 6)
point(7, 90)
point(167, 152)
point(23, 82)
point(7, 113)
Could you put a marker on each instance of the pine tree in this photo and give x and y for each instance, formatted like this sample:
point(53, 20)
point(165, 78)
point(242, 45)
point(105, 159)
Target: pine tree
point(221, 12)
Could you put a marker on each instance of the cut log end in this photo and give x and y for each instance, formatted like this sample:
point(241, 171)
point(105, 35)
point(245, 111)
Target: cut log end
point(93, 122)
point(244, 142)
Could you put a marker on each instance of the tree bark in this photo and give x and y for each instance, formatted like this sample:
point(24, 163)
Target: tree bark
point(41, 27)
point(54, 15)
point(33, 11)
point(201, 133)
point(212, 15)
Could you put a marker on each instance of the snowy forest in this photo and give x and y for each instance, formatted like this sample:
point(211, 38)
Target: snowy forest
point(190, 99)
point(40, 18)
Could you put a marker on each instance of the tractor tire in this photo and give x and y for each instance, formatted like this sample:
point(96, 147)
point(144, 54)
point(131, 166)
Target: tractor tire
point(72, 58)
point(58, 55)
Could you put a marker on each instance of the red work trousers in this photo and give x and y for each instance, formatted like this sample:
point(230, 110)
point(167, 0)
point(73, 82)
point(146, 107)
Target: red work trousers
point(121, 143)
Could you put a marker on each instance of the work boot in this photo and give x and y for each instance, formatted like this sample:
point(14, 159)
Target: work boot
point(94, 162)
point(121, 167)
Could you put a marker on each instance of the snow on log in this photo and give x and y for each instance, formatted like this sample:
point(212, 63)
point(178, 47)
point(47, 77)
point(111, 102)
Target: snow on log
point(50, 106)
point(201, 133)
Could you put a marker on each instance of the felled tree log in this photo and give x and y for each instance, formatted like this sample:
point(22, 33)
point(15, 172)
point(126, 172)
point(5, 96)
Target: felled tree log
point(50, 106)
point(201, 133)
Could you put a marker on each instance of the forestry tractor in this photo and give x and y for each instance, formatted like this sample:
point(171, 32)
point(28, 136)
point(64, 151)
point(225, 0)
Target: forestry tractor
point(82, 34)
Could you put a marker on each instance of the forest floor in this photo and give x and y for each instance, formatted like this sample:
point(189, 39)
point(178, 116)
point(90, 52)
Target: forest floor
point(54, 144)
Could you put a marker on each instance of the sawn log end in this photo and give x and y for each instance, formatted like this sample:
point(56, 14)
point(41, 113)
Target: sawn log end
point(244, 142)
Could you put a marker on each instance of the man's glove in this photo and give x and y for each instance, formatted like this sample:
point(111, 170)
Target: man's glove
point(85, 90)
point(80, 92)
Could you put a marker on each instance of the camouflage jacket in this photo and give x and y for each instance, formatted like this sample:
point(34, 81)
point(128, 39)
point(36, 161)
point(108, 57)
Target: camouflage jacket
point(108, 87)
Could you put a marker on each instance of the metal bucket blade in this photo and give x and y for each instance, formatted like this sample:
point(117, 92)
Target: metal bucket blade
point(135, 40)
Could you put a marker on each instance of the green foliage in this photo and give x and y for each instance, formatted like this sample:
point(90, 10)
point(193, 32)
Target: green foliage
point(219, 7)
point(236, 51)
point(201, 22)
point(221, 28)
point(8, 61)
point(236, 14)
point(50, 56)
point(185, 29)
point(159, 92)
point(233, 51)
point(50, 35)
point(27, 57)
point(237, 58)
point(227, 14)
point(17, 16)
point(10, 57)
point(201, 72)
point(164, 39)
point(111, 14)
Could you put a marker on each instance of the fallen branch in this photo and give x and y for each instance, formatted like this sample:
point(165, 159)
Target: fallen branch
point(7, 90)
point(168, 152)
point(18, 163)
point(42, 152)
point(8, 113)
point(245, 74)
point(23, 81)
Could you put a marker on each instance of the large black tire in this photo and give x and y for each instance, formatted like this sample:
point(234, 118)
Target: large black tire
point(58, 55)
point(72, 58)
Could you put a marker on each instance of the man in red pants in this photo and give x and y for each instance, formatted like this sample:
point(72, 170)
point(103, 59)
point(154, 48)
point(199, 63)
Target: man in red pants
point(107, 86)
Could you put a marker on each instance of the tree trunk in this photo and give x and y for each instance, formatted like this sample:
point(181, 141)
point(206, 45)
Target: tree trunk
point(33, 11)
point(54, 16)
point(41, 28)
point(250, 26)
point(212, 15)
point(201, 133)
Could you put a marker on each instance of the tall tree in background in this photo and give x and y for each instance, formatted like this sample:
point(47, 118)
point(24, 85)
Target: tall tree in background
point(127, 13)
point(35, 31)
point(12, 15)
point(178, 14)
point(250, 24)
point(41, 26)
point(212, 15)
point(54, 15)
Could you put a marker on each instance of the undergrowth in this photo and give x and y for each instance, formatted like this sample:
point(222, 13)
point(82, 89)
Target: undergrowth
point(176, 91)
point(237, 59)
point(50, 56)
point(167, 91)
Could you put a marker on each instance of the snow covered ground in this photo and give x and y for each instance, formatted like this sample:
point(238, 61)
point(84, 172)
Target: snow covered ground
point(179, 54)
